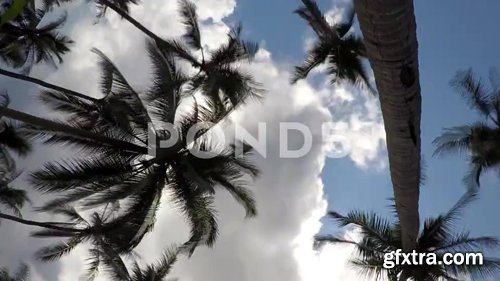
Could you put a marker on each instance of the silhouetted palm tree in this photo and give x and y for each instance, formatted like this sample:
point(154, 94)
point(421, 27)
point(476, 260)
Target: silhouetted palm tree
point(100, 233)
point(391, 46)
point(343, 52)
point(25, 41)
point(219, 75)
point(379, 236)
point(118, 166)
point(22, 274)
point(10, 140)
point(480, 140)
point(96, 232)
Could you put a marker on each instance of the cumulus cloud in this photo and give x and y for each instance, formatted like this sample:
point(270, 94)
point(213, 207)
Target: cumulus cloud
point(275, 246)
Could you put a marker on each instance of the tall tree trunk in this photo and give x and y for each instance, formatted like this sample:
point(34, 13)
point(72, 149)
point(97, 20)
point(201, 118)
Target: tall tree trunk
point(130, 19)
point(45, 84)
point(76, 132)
point(162, 44)
point(48, 225)
point(389, 32)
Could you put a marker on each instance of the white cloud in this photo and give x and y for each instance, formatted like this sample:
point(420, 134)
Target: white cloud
point(277, 245)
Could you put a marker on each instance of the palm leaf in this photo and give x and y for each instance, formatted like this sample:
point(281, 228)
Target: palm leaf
point(190, 20)
point(453, 139)
point(472, 90)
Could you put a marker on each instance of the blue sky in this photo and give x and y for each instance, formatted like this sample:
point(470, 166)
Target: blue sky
point(453, 35)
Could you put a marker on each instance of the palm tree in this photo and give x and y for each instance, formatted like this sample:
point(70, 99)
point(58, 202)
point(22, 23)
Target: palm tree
point(22, 274)
point(218, 75)
point(389, 32)
point(481, 140)
point(117, 165)
point(24, 41)
point(10, 140)
point(389, 36)
point(100, 233)
point(439, 235)
point(342, 51)
point(96, 231)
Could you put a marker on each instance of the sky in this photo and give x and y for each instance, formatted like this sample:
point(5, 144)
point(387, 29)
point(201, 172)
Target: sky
point(293, 195)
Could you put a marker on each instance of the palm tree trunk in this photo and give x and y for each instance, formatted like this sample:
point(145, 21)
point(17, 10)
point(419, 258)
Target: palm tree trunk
point(48, 225)
point(130, 19)
point(76, 132)
point(45, 84)
point(389, 32)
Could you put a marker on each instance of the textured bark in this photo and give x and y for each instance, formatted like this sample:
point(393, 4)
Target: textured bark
point(389, 32)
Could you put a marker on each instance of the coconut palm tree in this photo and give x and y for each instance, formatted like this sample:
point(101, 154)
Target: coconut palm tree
point(342, 51)
point(218, 75)
point(95, 231)
point(25, 41)
point(119, 165)
point(389, 34)
point(11, 140)
point(218, 72)
point(439, 235)
point(22, 274)
point(482, 139)
point(99, 233)
point(389, 37)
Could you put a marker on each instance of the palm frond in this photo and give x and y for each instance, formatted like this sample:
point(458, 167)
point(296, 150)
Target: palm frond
point(165, 94)
point(462, 242)
point(178, 49)
point(453, 139)
point(56, 251)
point(439, 229)
point(345, 62)
point(316, 56)
point(234, 50)
point(197, 207)
point(370, 269)
point(344, 27)
point(13, 138)
point(190, 20)
point(485, 271)
point(312, 14)
point(62, 176)
point(93, 263)
point(371, 225)
point(13, 199)
point(128, 230)
point(472, 90)
point(473, 176)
